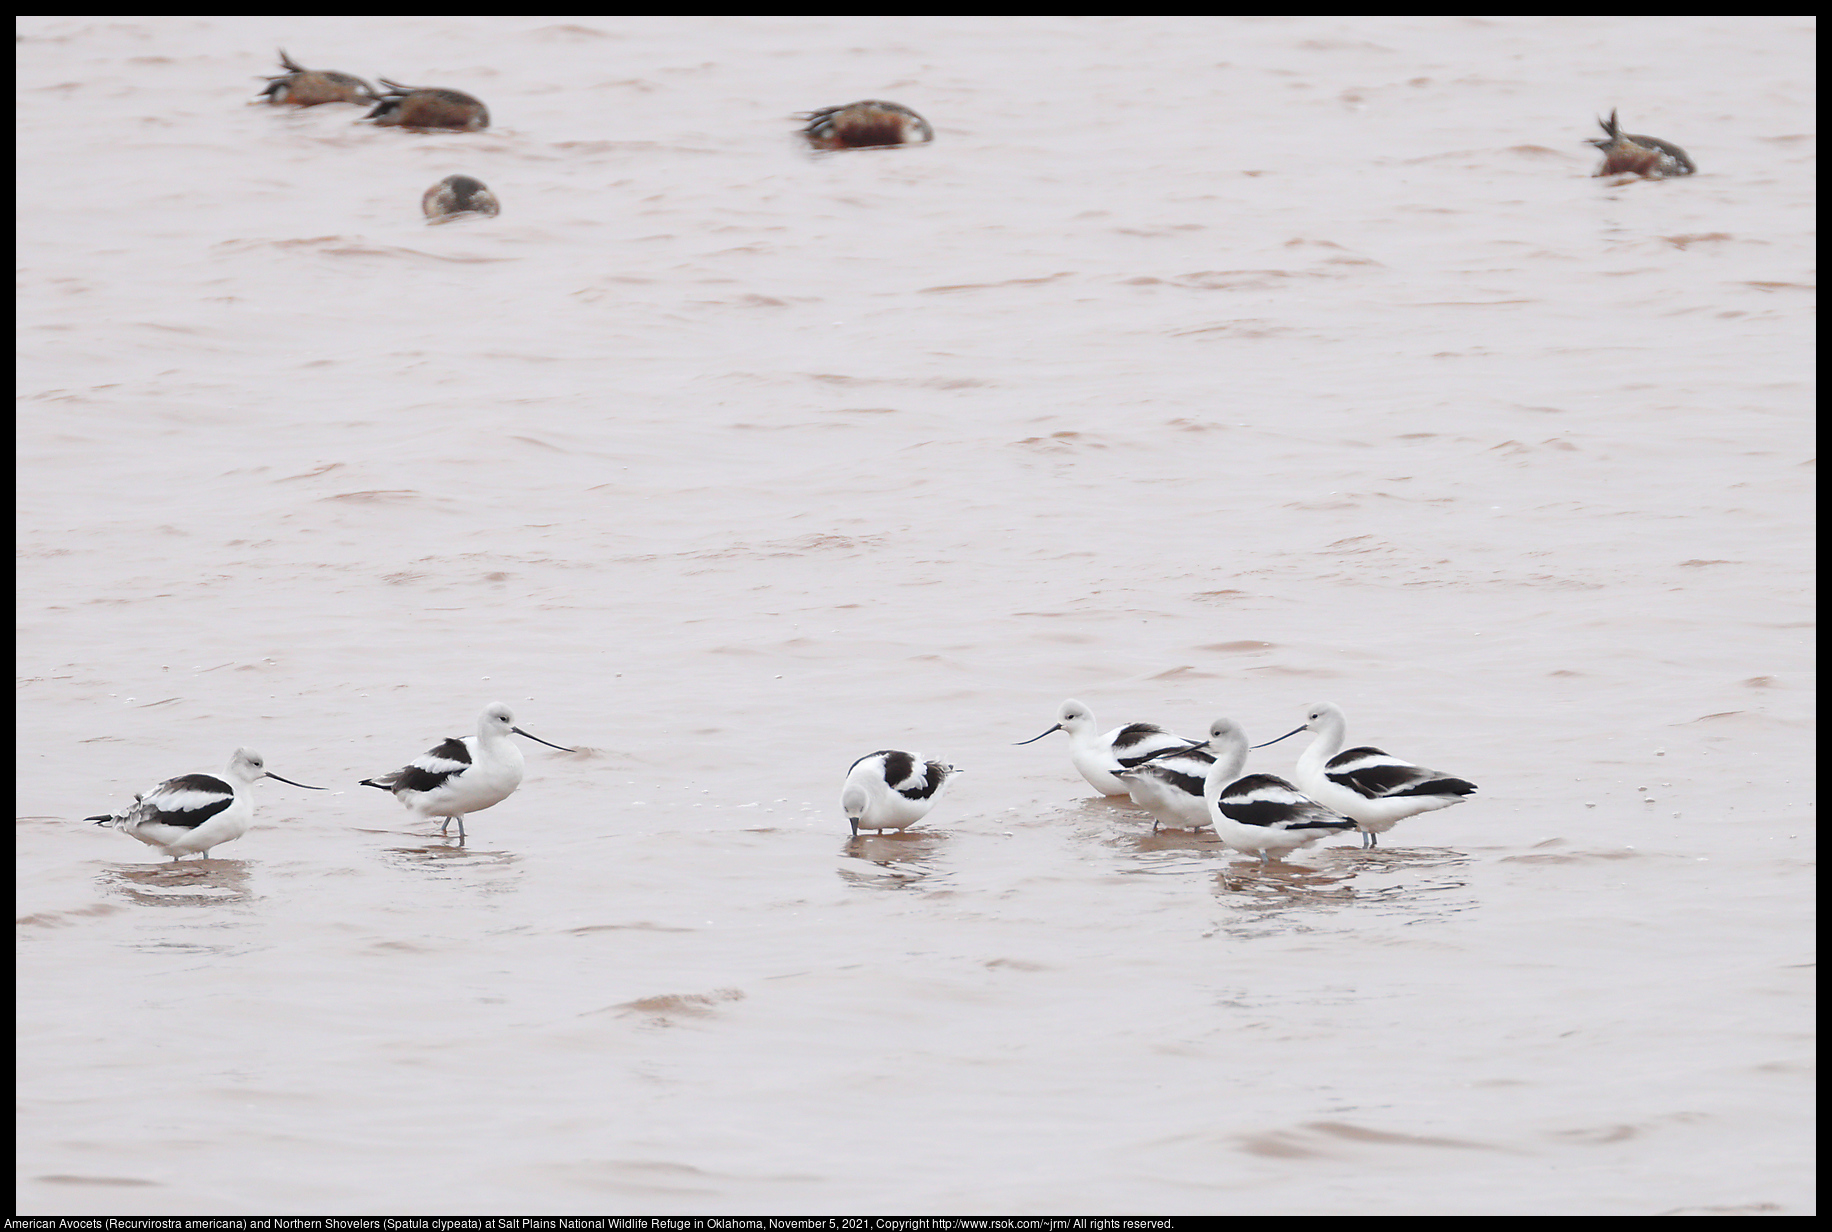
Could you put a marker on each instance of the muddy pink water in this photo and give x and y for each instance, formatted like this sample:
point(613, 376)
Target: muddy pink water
point(1198, 368)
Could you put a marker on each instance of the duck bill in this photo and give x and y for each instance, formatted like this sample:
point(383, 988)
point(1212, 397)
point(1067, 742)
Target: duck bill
point(1288, 735)
point(1040, 736)
point(550, 744)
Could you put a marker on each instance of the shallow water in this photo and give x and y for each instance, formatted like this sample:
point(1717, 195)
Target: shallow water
point(1197, 368)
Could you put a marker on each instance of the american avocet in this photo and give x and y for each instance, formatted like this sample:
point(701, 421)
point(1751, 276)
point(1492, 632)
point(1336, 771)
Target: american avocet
point(459, 194)
point(428, 107)
point(1170, 787)
point(870, 121)
point(195, 812)
point(891, 789)
point(1375, 788)
point(1098, 756)
point(464, 774)
point(1628, 154)
point(302, 87)
point(1260, 814)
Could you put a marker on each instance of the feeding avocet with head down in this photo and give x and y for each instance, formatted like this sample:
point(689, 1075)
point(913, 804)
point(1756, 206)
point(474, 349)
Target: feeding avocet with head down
point(891, 789)
point(195, 812)
point(464, 774)
point(1170, 788)
point(1260, 814)
point(1377, 789)
point(1098, 756)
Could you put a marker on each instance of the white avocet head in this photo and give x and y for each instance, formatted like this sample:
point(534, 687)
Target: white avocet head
point(1260, 814)
point(465, 774)
point(1375, 788)
point(1098, 756)
point(195, 812)
point(891, 789)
